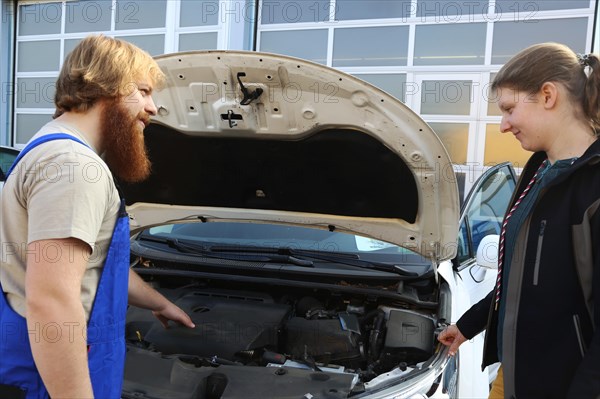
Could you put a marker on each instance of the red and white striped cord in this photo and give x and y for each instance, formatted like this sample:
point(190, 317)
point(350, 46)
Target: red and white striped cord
point(503, 233)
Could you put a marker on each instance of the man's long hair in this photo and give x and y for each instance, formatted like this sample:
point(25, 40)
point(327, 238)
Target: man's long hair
point(102, 67)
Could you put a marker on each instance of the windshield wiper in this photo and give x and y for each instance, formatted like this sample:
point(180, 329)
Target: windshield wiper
point(343, 258)
point(207, 251)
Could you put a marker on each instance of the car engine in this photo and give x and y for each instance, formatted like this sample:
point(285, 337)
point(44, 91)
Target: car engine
point(262, 341)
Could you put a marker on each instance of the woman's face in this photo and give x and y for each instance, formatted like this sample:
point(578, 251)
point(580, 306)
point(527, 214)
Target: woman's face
point(523, 115)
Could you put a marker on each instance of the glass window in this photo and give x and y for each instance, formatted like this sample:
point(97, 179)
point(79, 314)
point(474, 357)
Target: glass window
point(527, 9)
point(140, 14)
point(510, 37)
point(203, 13)
point(446, 97)
point(464, 250)
point(453, 8)
point(39, 56)
point(502, 147)
point(292, 11)
point(35, 92)
point(88, 16)
point(7, 158)
point(489, 203)
point(243, 237)
point(450, 44)
point(29, 124)
point(198, 41)
point(378, 46)
point(39, 19)
point(355, 9)
point(492, 99)
point(392, 83)
point(153, 44)
point(455, 137)
point(308, 44)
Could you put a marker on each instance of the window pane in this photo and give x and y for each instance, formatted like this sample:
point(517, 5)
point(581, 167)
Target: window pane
point(29, 124)
point(292, 11)
point(35, 92)
point(7, 158)
point(524, 9)
point(450, 44)
point(502, 147)
point(392, 83)
point(140, 14)
point(39, 56)
point(308, 44)
point(203, 13)
point(198, 41)
point(511, 37)
point(364, 46)
point(446, 97)
point(464, 252)
point(357, 9)
point(489, 205)
point(492, 99)
point(88, 16)
point(39, 19)
point(453, 8)
point(153, 44)
point(455, 137)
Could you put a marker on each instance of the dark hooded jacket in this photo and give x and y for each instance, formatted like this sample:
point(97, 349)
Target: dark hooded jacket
point(551, 329)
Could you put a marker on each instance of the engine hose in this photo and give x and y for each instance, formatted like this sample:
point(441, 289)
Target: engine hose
point(374, 339)
point(368, 317)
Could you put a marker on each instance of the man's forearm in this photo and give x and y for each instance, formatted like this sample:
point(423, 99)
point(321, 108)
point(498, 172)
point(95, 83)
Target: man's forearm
point(58, 344)
point(142, 295)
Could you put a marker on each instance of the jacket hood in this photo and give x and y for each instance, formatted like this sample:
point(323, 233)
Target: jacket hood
point(267, 138)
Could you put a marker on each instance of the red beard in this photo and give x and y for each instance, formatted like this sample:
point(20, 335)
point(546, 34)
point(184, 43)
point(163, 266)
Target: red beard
point(124, 148)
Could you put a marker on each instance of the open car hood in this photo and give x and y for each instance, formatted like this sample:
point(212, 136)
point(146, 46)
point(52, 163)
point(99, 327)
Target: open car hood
point(258, 137)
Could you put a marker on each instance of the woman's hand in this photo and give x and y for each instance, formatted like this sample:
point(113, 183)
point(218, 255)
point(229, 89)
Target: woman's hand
point(452, 337)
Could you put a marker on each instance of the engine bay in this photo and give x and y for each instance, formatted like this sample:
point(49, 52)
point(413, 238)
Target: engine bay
point(262, 341)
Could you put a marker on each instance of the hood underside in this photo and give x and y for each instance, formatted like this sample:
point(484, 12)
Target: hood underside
point(266, 138)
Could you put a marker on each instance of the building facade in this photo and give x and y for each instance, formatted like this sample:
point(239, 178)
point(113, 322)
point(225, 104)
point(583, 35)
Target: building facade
point(437, 56)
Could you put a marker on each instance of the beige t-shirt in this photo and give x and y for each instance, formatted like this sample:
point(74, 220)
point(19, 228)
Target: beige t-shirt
point(59, 189)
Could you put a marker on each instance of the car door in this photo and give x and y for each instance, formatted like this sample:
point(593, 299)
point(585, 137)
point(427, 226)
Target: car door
point(7, 157)
point(481, 215)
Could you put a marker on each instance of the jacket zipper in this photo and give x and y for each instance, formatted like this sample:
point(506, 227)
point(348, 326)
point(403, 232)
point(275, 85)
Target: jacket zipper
point(577, 323)
point(538, 255)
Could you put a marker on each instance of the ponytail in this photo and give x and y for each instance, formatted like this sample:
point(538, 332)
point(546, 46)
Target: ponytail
point(591, 98)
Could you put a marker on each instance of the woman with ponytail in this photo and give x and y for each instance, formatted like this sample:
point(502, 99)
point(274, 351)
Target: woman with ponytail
point(543, 316)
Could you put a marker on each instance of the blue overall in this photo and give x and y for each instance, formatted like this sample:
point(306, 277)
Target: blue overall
point(106, 325)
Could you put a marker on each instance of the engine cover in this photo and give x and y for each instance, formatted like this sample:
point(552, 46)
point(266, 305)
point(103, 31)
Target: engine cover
point(409, 337)
point(225, 324)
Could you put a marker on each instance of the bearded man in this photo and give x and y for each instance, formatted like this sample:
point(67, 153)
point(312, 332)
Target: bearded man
point(64, 268)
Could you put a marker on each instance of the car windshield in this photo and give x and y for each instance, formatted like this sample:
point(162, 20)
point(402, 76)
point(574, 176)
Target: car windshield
point(258, 236)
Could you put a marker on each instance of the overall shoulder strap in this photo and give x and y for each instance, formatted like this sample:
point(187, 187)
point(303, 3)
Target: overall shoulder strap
point(42, 140)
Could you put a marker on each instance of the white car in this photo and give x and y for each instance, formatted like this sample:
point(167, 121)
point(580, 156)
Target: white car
point(301, 217)
point(7, 157)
